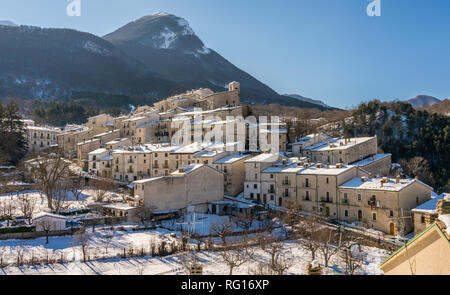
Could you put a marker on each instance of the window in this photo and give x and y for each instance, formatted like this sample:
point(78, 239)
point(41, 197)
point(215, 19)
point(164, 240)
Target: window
point(422, 218)
point(391, 213)
point(328, 180)
point(374, 216)
point(359, 197)
point(255, 186)
point(417, 200)
point(346, 213)
point(256, 176)
point(271, 176)
point(251, 196)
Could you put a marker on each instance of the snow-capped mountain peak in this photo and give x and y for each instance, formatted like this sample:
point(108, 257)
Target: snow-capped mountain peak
point(161, 31)
point(7, 23)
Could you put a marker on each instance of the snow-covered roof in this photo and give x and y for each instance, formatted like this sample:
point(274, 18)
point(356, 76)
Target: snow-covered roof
point(47, 214)
point(375, 184)
point(98, 151)
point(264, 158)
point(429, 206)
point(47, 129)
point(209, 154)
point(119, 206)
point(331, 170)
point(231, 159)
point(337, 144)
point(147, 124)
point(293, 168)
point(446, 220)
point(370, 160)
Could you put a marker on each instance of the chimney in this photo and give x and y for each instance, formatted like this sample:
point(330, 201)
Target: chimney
point(397, 179)
point(363, 178)
point(381, 183)
point(443, 207)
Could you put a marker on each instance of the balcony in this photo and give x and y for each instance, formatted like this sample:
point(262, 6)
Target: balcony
point(286, 182)
point(130, 161)
point(326, 200)
point(271, 191)
point(165, 166)
point(345, 201)
point(130, 171)
point(286, 195)
point(306, 198)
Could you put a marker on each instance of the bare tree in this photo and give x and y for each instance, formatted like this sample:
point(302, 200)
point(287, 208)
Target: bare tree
point(291, 219)
point(281, 264)
point(351, 254)
point(106, 238)
point(101, 188)
point(308, 233)
point(75, 187)
point(46, 226)
point(245, 220)
point(8, 209)
point(26, 205)
point(234, 256)
point(48, 170)
point(262, 269)
point(81, 239)
point(222, 229)
point(326, 247)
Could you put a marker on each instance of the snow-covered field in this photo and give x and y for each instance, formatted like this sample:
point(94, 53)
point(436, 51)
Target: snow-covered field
point(113, 264)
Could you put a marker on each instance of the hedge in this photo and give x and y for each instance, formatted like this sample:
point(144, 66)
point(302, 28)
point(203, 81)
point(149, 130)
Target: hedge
point(20, 229)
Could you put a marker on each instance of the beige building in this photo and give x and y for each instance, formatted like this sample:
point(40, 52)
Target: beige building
point(83, 150)
point(130, 164)
point(40, 138)
point(383, 204)
point(68, 140)
point(100, 123)
point(377, 165)
point(100, 163)
point(191, 185)
point(234, 169)
point(307, 141)
point(118, 143)
point(253, 170)
point(427, 213)
point(428, 253)
point(346, 151)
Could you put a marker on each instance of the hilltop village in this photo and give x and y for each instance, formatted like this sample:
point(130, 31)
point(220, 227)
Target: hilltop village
point(194, 153)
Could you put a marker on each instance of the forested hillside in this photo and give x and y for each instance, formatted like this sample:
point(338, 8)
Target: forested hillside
point(420, 141)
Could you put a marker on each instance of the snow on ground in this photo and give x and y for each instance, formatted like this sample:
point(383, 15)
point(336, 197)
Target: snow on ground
point(69, 247)
point(212, 264)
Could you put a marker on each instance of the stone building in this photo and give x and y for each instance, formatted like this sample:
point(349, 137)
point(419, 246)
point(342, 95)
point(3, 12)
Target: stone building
point(383, 204)
point(345, 150)
point(100, 123)
point(118, 143)
point(189, 186)
point(253, 170)
point(129, 164)
point(306, 141)
point(428, 253)
point(41, 138)
point(427, 213)
point(377, 165)
point(233, 168)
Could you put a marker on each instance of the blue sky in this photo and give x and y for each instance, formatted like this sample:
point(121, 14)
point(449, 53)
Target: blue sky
point(323, 49)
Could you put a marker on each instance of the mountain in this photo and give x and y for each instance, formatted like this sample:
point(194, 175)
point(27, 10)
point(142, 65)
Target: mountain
point(153, 57)
point(422, 101)
point(52, 63)
point(310, 100)
point(7, 23)
point(168, 46)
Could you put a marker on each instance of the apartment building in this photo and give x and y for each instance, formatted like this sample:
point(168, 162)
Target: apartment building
point(100, 162)
point(129, 164)
point(234, 170)
point(189, 186)
point(40, 138)
point(382, 203)
point(307, 141)
point(118, 143)
point(345, 150)
point(253, 170)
